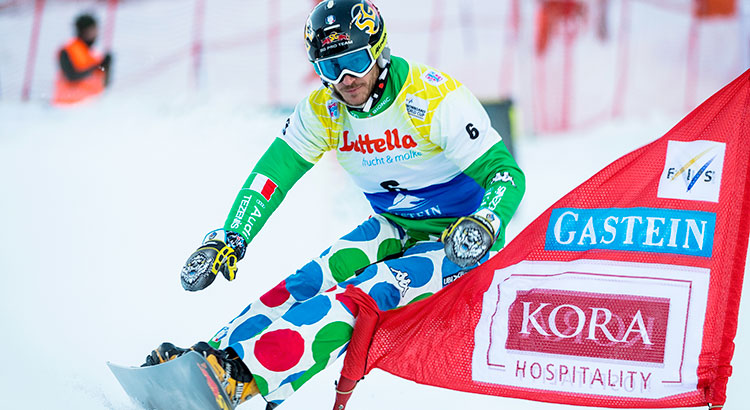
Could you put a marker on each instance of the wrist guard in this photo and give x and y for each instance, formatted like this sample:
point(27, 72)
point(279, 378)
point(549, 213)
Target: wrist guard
point(469, 238)
point(219, 252)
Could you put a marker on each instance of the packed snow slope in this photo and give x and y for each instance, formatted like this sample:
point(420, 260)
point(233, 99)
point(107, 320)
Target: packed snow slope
point(102, 203)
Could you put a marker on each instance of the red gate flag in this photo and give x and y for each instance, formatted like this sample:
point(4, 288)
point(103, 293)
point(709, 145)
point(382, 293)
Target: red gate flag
point(625, 293)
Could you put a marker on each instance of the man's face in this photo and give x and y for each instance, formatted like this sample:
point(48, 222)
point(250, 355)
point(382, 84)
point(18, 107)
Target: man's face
point(89, 35)
point(355, 91)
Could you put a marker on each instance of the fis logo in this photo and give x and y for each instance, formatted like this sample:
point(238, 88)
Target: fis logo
point(692, 171)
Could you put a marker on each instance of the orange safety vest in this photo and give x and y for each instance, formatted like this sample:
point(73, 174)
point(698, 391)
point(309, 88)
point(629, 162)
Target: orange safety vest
point(82, 58)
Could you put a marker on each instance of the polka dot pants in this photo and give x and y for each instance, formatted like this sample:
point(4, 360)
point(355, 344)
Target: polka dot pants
point(299, 327)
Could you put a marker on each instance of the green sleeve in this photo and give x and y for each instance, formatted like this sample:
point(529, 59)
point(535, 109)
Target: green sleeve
point(498, 173)
point(276, 172)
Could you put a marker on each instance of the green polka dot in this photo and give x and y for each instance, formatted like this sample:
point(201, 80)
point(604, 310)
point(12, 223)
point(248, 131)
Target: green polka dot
point(420, 297)
point(346, 261)
point(262, 384)
point(329, 339)
point(388, 247)
point(315, 369)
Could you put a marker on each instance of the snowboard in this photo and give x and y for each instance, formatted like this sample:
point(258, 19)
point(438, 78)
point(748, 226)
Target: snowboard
point(184, 383)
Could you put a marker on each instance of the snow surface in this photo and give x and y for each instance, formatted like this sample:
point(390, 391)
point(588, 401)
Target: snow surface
point(102, 204)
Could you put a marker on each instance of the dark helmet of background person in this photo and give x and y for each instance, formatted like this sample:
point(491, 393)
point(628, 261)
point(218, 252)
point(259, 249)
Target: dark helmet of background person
point(86, 28)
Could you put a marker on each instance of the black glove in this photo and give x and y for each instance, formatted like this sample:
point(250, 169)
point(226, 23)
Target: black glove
point(219, 252)
point(106, 62)
point(469, 238)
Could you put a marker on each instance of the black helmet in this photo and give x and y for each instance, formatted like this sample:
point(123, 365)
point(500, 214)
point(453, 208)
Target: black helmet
point(335, 27)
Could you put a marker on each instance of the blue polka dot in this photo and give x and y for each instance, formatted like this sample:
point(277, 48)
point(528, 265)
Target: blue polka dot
point(385, 295)
point(449, 268)
point(239, 350)
point(366, 275)
point(292, 377)
point(306, 282)
point(241, 313)
point(368, 231)
point(424, 247)
point(325, 252)
point(418, 269)
point(309, 312)
point(249, 328)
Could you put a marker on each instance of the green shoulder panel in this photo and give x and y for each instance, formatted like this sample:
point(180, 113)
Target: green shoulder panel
point(276, 172)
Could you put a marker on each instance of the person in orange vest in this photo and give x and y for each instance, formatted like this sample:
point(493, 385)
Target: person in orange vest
point(83, 73)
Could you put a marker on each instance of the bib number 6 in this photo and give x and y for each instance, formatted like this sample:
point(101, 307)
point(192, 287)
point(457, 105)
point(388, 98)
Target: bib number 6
point(472, 130)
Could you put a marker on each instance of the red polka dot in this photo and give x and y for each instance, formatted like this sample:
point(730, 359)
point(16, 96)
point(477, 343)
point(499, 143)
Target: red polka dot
point(276, 296)
point(279, 350)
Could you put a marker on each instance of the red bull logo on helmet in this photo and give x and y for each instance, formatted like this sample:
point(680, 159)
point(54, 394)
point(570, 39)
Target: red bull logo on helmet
point(334, 37)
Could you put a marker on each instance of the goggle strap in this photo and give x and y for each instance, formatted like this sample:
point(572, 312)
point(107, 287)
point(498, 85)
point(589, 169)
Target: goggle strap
point(378, 89)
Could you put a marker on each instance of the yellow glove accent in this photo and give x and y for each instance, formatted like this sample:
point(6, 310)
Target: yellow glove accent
point(226, 254)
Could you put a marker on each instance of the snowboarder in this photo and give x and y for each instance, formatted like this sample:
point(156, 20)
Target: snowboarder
point(439, 178)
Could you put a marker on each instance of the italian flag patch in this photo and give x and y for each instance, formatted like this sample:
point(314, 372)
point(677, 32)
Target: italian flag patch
point(263, 185)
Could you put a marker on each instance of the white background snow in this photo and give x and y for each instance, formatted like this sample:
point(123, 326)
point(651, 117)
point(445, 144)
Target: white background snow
point(102, 203)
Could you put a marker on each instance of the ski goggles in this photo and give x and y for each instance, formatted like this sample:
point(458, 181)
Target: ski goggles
point(356, 62)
